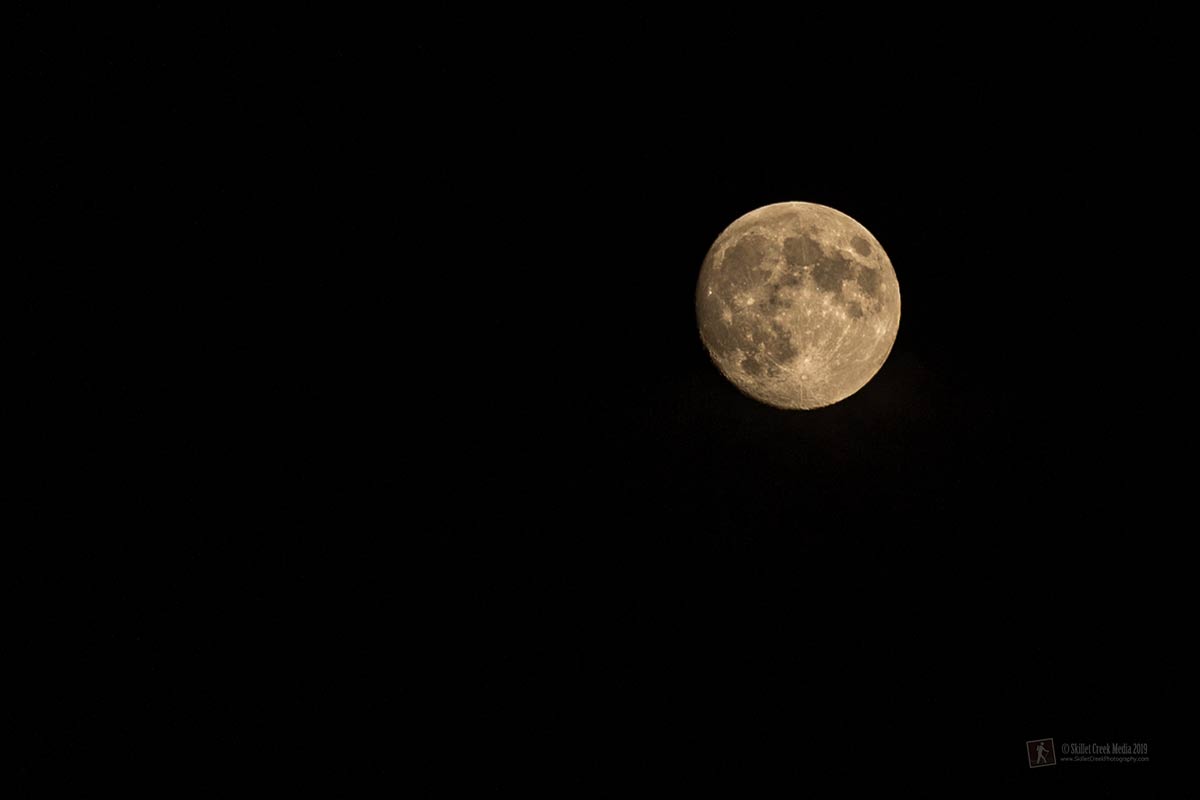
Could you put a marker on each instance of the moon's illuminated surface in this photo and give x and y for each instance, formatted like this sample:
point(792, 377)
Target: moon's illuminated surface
point(798, 305)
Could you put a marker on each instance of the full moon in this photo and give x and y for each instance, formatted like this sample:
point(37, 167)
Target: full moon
point(798, 305)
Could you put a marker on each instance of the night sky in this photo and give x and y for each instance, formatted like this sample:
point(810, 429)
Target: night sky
point(949, 563)
point(456, 419)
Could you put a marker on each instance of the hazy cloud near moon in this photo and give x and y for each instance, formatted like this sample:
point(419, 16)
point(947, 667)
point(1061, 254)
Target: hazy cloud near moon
point(798, 305)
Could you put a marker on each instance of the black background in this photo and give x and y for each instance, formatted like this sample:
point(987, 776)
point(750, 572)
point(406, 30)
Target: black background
point(396, 374)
